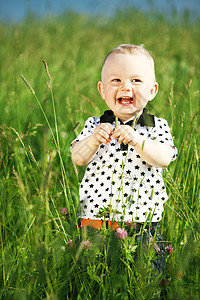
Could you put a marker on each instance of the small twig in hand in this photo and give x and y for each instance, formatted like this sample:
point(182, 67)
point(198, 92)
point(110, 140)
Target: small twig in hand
point(134, 120)
point(116, 121)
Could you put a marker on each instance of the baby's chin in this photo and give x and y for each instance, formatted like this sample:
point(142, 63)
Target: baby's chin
point(126, 115)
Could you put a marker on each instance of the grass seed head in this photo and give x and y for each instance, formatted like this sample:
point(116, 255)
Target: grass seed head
point(46, 69)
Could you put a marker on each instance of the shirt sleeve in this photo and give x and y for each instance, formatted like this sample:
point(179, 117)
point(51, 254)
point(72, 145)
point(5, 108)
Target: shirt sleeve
point(161, 133)
point(88, 129)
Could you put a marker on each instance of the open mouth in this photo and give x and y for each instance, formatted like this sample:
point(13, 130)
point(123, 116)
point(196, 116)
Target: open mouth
point(125, 100)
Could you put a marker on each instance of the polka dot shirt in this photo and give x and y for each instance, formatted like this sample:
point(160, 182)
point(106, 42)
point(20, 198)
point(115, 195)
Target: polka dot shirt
point(120, 181)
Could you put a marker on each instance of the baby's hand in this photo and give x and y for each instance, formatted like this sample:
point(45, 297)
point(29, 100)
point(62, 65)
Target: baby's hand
point(126, 135)
point(103, 133)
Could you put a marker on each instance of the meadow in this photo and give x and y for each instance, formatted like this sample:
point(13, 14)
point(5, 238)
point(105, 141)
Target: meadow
point(41, 255)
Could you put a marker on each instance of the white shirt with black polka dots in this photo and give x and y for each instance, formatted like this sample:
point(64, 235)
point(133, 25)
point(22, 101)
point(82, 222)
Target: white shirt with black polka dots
point(121, 181)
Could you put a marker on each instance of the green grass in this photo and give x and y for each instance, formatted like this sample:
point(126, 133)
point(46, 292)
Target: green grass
point(38, 179)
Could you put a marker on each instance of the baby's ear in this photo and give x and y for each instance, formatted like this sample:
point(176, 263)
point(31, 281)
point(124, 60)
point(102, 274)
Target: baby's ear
point(153, 91)
point(101, 89)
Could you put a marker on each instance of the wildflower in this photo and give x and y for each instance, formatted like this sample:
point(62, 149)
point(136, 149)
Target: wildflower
point(121, 233)
point(130, 224)
point(169, 249)
point(64, 211)
point(156, 247)
point(70, 244)
point(86, 244)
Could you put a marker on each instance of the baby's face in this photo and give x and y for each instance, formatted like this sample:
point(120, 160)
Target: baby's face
point(128, 83)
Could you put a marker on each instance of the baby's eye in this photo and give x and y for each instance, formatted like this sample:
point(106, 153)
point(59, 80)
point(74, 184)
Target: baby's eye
point(116, 80)
point(136, 80)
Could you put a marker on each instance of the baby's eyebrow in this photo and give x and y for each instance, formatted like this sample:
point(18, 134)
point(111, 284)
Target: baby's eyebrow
point(131, 76)
point(114, 75)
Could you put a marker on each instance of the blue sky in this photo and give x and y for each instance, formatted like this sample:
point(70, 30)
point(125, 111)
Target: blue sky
point(15, 10)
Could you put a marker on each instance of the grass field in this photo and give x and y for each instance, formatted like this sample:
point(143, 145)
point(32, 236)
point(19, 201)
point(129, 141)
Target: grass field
point(37, 177)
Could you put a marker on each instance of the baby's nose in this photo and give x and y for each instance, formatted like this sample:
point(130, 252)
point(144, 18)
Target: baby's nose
point(127, 86)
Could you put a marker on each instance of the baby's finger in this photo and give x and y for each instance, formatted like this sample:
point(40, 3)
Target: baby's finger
point(117, 132)
point(107, 131)
point(123, 134)
point(124, 138)
point(103, 132)
point(107, 127)
point(102, 139)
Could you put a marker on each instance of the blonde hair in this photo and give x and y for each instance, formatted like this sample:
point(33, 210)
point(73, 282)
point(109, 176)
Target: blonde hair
point(131, 49)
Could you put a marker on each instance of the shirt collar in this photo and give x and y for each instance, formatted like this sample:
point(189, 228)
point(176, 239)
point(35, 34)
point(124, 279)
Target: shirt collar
point(145, 119)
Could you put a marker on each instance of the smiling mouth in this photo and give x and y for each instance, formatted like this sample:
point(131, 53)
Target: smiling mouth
point(125, 100)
